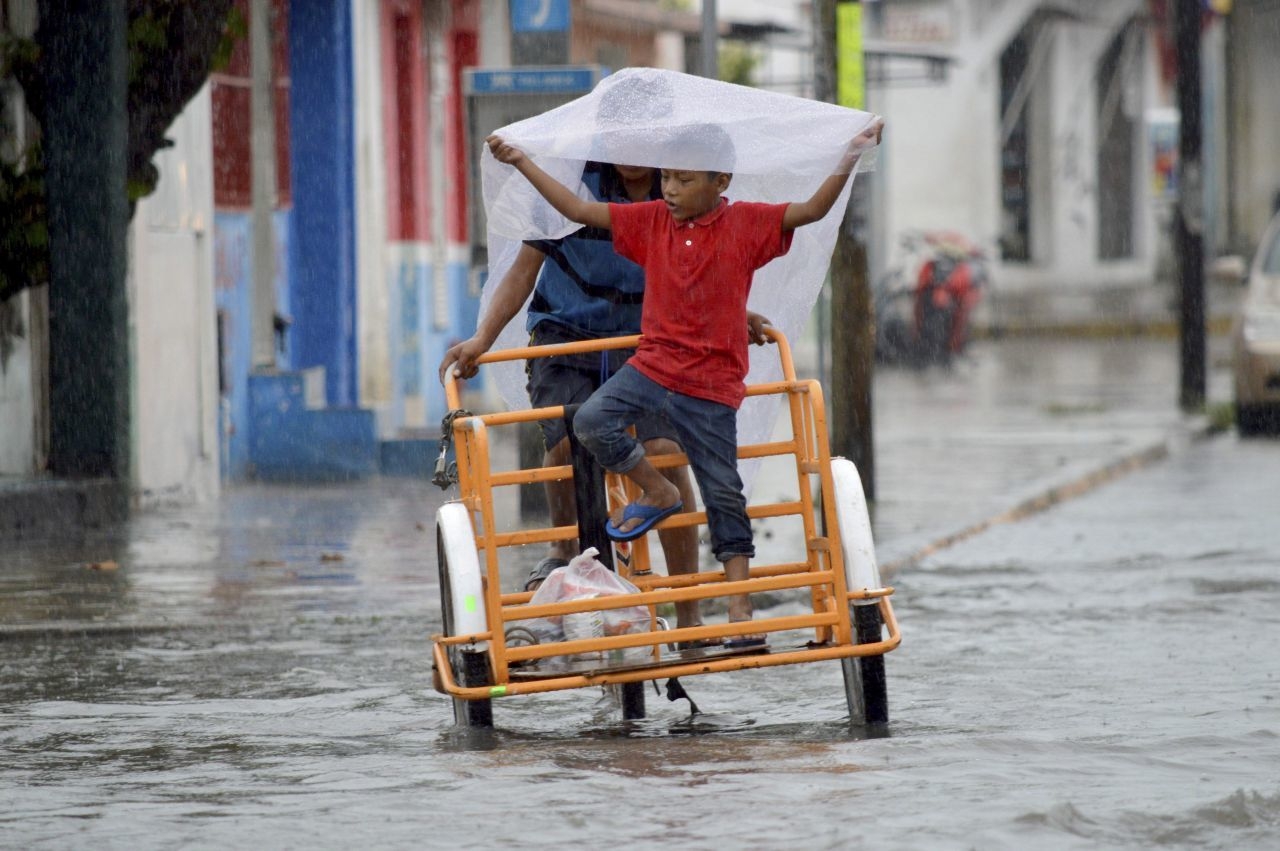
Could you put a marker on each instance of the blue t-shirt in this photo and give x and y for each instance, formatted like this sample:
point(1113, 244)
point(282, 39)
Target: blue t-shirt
point(584, 286)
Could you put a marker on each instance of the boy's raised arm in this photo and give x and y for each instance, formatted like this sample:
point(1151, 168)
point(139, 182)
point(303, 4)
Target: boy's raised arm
point(803, 213)
point(573, 208)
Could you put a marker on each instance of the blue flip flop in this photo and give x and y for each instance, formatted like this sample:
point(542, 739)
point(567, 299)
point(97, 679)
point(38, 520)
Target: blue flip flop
point(648, 515)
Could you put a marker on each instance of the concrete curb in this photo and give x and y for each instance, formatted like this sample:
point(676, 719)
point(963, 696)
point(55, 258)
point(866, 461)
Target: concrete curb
point(31, 508)
point(84, 629)
point(1046, 496)
point(94, 629)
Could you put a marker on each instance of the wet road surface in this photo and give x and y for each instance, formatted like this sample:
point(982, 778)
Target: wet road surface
point(1100, 675)
point(255, 671)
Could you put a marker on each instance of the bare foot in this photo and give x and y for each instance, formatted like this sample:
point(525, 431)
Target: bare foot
point(737, 569)
point(740, 611)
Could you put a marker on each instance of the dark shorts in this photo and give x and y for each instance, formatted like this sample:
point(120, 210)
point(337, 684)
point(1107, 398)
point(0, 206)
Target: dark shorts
point(571, 379)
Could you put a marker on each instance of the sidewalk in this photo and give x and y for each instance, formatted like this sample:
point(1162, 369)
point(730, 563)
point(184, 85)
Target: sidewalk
point(1016, 426)
point(1022, 424)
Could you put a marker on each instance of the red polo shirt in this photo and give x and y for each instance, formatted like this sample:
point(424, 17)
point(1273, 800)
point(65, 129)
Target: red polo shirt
point(697, 277)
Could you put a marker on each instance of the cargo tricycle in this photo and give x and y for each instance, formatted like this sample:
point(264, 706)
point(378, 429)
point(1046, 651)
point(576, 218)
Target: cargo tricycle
point(486, 651)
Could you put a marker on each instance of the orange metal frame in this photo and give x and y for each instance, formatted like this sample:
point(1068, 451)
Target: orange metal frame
point(821, 571)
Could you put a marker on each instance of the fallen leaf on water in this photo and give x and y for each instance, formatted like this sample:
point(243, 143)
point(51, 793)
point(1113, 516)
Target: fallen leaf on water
point(102, 565)
point(331, 556)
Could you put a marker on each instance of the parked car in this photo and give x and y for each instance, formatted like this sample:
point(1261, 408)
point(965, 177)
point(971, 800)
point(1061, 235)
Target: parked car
point(1257, 340)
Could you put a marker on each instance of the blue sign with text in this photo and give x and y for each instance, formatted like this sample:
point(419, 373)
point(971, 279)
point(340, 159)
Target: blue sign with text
point(558, 80)
point(539, 16)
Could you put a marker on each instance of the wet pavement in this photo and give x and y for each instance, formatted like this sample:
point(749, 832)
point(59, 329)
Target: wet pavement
point(1099, 676)
point(1014, 427)
point(1011, 428)
point(256, 670)
point(1018, 425)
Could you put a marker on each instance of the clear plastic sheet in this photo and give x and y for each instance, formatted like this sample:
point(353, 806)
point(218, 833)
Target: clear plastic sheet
point(781, 149)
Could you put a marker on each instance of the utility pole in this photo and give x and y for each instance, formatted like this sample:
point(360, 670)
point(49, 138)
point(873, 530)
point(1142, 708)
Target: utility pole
point(838, 78)
point(1189, 222)
point(263, 185)
point(710, 41)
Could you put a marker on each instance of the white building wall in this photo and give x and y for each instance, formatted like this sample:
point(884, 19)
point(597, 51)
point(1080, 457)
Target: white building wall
point(1066, 271)
point(939, 163)
point(1069, 98)
point(941, 170)
point(19, 385)
point(495, 34)
point(173, 320)
point(372, 286)
point(23, 318)
point(1253, 117)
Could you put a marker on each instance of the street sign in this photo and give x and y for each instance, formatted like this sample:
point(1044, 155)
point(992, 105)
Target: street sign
point(515, 81)
point(539, 16)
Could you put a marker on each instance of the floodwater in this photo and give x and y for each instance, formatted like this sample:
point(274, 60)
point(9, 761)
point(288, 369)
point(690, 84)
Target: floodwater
point(1101, 675)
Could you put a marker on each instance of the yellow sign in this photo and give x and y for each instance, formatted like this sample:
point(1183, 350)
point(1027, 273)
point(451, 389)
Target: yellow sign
point(851, 79)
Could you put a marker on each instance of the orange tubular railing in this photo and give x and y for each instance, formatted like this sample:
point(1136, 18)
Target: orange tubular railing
point(822, 572)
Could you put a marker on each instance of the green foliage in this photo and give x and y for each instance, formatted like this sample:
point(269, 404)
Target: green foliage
point(148, 32)
point(738, 63)
point(24, 229)
point(1222, 416)
point(172, 48)
point(237, 30)
point(16, 53)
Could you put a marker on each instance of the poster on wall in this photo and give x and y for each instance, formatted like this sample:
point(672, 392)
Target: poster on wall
point(1162, 139)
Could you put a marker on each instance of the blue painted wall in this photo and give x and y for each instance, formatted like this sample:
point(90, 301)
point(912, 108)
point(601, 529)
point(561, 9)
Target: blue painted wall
point(233, 269)
point(407, 279)
point(419, 338)
point(233, 264)
point(460, 324)
point(282, 220)
point(291, 443)
point(322, 249)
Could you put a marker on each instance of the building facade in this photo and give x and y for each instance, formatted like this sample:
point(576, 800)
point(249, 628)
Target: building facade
point(1032, 146)
point(354, 256)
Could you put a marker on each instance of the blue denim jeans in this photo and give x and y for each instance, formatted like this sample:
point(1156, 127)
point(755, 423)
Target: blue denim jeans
point(708, 432)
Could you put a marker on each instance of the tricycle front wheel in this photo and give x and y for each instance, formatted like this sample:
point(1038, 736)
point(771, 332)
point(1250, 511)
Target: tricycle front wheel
point(865, 689)
point(462, 610)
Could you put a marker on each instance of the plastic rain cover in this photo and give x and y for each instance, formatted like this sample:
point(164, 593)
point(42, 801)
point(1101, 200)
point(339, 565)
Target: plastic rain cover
point(782, 149)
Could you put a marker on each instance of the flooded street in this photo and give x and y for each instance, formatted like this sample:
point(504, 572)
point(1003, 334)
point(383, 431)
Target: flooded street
point(1100, 675)
point(252, 253)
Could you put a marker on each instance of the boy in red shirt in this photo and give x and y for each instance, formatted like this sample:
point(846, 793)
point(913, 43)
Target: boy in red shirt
point(699, 253)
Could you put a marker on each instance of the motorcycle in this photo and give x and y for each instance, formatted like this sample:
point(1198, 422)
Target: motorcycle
point(923, 320)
